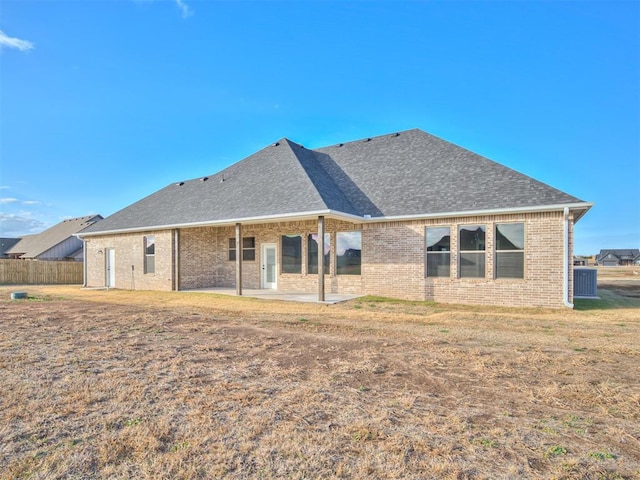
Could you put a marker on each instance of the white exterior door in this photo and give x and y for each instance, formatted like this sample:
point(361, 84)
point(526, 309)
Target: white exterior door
point(111, 268)
point(269, 266)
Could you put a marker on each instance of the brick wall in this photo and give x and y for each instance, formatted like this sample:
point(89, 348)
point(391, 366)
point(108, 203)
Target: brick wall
point(129, 251)
point(393, 261)
point(204, 258)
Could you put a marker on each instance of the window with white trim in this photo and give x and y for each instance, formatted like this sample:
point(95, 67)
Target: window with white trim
point(509, 244)
point(150, 254)
point(471, 250)
point(312, 253)
point(291, 253)
point(438, 251)
point(348, 253)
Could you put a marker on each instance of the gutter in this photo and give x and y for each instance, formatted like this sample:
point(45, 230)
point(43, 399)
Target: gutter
point(565, 259)
point(583, 207)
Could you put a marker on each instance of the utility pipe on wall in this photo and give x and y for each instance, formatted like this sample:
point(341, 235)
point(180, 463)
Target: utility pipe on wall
point(84, 263)
point(565, 260)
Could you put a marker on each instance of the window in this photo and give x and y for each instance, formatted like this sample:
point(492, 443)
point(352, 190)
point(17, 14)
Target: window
point(509, 250)
point(150, 254)
point(438, 251)
point(248, 249)
point(471, 245)
point(349, 253)
point(291, 253)
point(312, 253)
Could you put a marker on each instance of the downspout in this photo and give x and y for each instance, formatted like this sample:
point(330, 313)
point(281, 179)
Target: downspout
point(565, 260)
point(84, 262)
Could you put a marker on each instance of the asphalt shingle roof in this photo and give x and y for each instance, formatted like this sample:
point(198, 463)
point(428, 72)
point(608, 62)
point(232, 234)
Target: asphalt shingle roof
point(620, 253)
point(407, 173)
point(6, 244)
point(31, 246)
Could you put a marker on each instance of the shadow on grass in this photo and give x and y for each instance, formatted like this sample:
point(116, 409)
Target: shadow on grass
point(608, 300)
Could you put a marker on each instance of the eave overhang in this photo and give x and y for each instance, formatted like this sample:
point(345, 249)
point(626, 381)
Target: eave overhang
point(579, 209)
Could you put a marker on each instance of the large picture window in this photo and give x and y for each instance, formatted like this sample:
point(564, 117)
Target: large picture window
point(248, 249)
point(291, 253)
point(312, 253)
point(348, 253)
point(509, 259)
point(150, 254)
point(438, 251)
point(471, 246)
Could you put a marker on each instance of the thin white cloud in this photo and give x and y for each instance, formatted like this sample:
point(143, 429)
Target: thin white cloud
point(18, 225)
point(11, 42)
point(4, 187)
point(31, 202)
point(7, 200)
point(184, 8)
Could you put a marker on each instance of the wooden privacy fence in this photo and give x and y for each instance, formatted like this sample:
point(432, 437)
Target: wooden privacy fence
point(39, 272)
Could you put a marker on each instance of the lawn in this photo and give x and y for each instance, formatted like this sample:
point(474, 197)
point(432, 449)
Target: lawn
point(118, 384)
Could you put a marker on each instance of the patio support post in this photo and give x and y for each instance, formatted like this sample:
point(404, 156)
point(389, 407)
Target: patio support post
point(321, 258)
point(238, 259)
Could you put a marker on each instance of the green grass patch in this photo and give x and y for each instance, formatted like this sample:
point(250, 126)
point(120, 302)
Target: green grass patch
point(43, 298)
point(372, 299)
point(555, 451)
point(608, 300)
point(603, 455)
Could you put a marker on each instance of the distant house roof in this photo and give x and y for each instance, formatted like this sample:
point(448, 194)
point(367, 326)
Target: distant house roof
point(629, 254)
point(6, 244)
point(31, 246)
point(407, 174)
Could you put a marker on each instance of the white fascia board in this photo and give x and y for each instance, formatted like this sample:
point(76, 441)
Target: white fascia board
point(287, 217)
point(473, 213)
point(301, 216)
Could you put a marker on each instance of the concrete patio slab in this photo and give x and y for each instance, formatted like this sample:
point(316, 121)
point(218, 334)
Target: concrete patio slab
point(268, 294)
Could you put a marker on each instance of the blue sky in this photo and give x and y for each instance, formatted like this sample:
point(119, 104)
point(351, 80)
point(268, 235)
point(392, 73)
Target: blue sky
point(105, 102)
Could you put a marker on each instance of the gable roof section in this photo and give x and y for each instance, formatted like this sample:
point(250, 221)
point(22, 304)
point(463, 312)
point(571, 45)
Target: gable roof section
point(416, 173)
point(6, 243)
point(31, 246)
point(272, 182)
point(405, 174)
point(628, 254)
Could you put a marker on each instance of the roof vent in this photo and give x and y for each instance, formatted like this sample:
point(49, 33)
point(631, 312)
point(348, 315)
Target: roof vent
point(180, 184)
point(367, 140)
point(222, 179)
point(276, 144)
point(204, 179)
point(341, 144)
point(397, 135)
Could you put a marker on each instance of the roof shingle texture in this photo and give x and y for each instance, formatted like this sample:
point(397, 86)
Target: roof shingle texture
point(31, 246)
point(408, 173)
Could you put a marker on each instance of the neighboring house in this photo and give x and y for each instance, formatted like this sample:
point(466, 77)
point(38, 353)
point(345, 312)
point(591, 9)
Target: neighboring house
point(405, 215)
point(55, 243)
point(618, 257)
point(6, 244)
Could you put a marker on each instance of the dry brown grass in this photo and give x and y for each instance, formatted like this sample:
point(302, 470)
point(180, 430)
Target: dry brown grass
point(118, 384)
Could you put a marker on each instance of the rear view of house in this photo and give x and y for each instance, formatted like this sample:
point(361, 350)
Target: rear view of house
point(405, 215)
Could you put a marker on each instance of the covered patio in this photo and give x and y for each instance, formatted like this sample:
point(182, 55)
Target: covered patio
point(271, 294)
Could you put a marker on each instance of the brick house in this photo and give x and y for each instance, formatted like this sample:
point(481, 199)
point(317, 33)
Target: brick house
point(405, 215)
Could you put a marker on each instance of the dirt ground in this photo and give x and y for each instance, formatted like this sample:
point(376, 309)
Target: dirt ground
point(118, 384)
